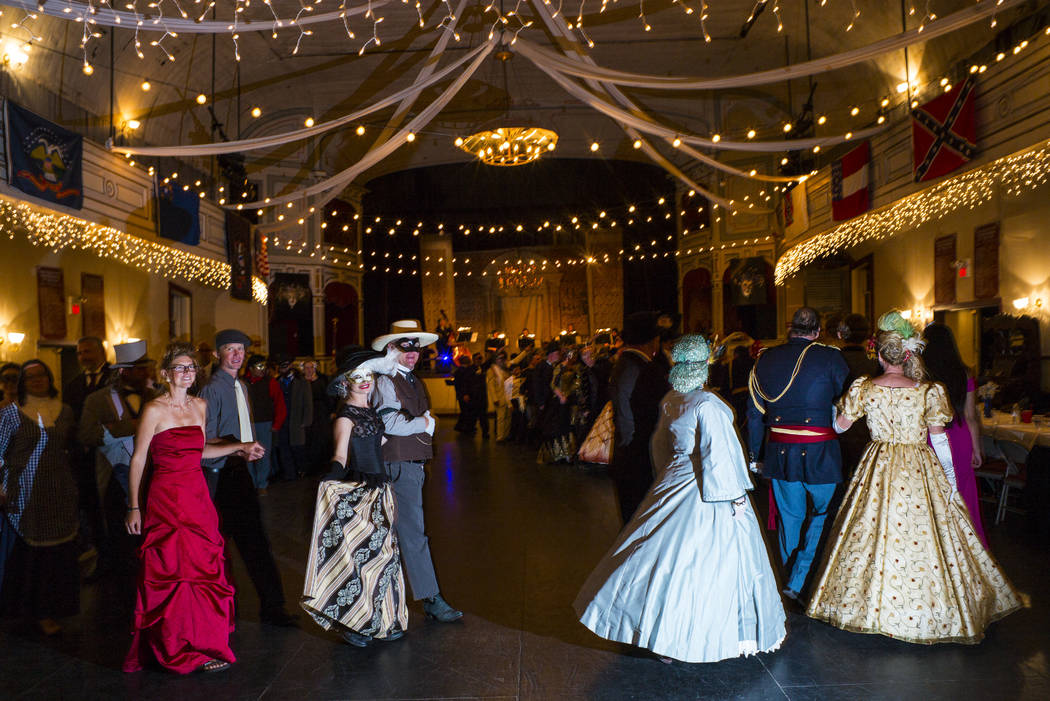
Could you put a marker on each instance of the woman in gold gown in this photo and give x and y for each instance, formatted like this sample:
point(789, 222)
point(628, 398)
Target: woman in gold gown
point(906, 561)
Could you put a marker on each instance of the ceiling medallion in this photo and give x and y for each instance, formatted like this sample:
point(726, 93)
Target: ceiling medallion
point(509, 146)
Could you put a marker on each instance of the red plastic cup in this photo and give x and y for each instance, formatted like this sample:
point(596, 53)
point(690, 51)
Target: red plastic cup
point(1026, 416)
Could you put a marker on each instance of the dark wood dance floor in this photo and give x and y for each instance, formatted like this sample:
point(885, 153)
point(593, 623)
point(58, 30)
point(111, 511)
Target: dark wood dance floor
point(513, 541)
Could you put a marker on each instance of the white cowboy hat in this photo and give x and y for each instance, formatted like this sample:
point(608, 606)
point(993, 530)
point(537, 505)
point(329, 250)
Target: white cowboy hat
point(405, 328)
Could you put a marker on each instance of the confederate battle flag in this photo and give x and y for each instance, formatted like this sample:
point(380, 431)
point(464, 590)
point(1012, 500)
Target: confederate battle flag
point(43, 159)
point(944, 132)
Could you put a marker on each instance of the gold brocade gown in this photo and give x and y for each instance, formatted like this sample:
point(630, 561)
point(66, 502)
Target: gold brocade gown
point(906, 562)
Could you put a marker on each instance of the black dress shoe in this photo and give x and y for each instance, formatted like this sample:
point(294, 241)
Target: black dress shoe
point(438, 609)
point(278, 617)
point(396, 635)
point(357, 639)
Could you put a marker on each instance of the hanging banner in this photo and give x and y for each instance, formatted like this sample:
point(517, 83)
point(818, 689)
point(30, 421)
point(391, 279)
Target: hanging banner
point(796, 211)
point(178, 212)
point(944, 133)
point(239, 255)
point(43, 159)
point(851, 184)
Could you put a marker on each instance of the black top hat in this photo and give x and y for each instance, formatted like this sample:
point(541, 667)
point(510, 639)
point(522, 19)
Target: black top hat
point(349, 359)
point(640, 327)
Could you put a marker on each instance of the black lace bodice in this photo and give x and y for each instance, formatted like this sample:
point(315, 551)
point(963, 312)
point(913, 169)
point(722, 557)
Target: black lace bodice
point(366, 439)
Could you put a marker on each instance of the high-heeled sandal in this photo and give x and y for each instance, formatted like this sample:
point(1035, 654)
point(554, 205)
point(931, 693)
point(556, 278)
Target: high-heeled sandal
point(214, 666)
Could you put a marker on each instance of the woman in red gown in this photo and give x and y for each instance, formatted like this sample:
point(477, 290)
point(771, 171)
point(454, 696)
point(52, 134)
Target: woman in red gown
point(184, 608)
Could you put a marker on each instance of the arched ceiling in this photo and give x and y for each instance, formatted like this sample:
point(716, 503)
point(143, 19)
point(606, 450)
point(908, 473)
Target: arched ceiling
point(327, 77)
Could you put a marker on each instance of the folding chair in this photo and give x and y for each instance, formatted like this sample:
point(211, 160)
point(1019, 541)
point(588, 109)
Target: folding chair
point(1016, 456)
point(993, 471)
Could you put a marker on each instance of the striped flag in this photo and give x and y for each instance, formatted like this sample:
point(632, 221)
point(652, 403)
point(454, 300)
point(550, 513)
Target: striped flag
point(851, 184)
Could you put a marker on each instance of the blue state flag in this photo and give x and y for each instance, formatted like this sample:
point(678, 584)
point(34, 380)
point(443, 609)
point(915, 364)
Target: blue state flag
point(43, 159)
point(178, 212)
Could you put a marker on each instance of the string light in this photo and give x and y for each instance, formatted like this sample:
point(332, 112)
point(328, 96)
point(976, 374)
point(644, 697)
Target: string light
point(58, 231)
point(1014, 175)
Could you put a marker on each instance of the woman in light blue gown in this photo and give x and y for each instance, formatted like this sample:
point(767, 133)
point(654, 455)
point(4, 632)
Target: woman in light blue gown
point(689, 577)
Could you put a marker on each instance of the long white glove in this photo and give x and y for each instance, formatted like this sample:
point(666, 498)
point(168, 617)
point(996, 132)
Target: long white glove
point(431, 422)
point(944, 454)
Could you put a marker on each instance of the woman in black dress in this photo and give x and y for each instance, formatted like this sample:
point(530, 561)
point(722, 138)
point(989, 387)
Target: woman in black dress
point(354, 582)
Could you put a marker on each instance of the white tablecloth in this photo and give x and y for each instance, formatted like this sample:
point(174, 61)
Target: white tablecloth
point(1002, 427)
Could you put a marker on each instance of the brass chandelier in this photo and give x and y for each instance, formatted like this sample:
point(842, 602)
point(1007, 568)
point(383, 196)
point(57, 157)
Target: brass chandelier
point(509, 146)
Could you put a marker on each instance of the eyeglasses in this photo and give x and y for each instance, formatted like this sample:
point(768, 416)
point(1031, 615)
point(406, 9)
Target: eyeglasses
point(181, 369)
point(10, 377)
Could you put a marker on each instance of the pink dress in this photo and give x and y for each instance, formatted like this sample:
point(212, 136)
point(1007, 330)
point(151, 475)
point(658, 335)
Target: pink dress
point(184, 611)
point(961, 443)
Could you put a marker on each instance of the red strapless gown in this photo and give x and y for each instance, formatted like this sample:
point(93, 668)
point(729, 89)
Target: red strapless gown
point(184, 609)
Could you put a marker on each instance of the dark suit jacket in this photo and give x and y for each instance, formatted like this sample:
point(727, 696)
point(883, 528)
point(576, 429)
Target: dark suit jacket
point(636, 388)
point(76, 390)
point(821, 380)
point(539, 387)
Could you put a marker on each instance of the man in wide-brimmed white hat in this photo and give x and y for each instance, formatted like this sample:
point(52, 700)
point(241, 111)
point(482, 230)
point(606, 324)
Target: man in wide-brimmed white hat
point(402, 402)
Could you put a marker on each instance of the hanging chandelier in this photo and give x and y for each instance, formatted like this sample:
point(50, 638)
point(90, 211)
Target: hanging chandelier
point(509, 146)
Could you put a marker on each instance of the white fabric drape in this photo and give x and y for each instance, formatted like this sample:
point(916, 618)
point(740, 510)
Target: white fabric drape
point(645, 124)
point(557, 29)
point(936, 28)
point(345, 177)
point(412, 91)
point(410, 99)
point(108, 17)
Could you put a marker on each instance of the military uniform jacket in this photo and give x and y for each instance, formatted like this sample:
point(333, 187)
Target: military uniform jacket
point(820, 380)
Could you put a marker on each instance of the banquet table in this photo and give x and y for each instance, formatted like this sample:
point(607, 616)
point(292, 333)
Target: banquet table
point(1001, 426)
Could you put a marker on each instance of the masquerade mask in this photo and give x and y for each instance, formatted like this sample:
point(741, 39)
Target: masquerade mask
point(360, 377)
point(407, 345)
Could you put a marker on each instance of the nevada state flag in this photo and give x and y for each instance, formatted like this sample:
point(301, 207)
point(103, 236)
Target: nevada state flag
point(851, 184)
point(944, 132)
point(43, 159)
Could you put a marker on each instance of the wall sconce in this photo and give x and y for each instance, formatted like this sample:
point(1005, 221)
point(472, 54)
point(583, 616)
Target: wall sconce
point(12, 339)
point(1027, 305)
point(918, 316)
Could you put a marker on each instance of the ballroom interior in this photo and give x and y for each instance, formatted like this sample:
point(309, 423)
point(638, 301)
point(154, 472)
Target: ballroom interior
point(309, 172)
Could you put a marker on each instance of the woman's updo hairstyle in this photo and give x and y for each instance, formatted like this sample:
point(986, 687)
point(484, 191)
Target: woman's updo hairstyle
point(690, 355)
point(899, 343)
point(174, 350)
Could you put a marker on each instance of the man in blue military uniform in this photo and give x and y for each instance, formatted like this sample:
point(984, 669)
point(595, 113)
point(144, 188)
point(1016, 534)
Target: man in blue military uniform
point(793, 388)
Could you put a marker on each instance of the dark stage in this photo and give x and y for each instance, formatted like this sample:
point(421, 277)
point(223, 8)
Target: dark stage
point(513, 542)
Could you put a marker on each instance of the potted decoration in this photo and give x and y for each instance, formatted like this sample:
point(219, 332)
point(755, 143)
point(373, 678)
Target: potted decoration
point(985, 392)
